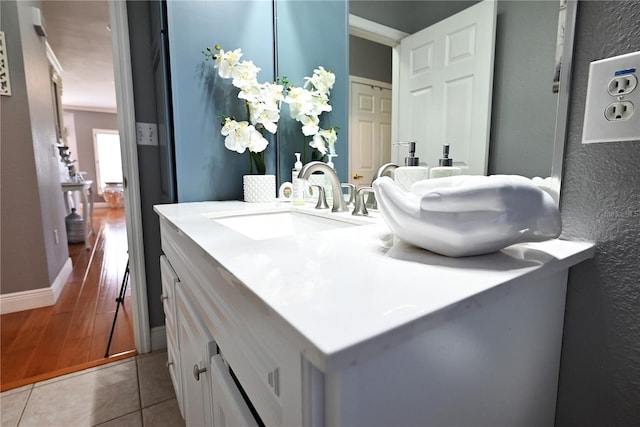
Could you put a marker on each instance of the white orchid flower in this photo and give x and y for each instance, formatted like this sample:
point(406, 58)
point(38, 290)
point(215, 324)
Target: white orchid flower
point(272, 93)
point(319, 103)
point(237, 136)
point(309, 124)
point(318, 143)
point(225, 62)
point(300, 102)
point(262, 114)
point(250, 92)
point(256, 142)
point(244, 74)
point(330, 136)
point(322, 80)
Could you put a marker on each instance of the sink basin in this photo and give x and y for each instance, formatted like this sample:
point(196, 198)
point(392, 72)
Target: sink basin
point(262, 226)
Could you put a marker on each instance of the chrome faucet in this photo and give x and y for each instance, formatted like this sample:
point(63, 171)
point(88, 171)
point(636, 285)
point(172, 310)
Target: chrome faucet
point(336, 188)
point(386, 168)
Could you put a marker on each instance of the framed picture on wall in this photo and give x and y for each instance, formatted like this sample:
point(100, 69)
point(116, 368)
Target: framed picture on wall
point(5, 83)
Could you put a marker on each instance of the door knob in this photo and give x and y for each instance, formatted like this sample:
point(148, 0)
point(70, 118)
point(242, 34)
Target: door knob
point(356, 176)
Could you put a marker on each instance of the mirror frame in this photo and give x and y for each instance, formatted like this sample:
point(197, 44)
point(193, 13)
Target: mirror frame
point(378, 33)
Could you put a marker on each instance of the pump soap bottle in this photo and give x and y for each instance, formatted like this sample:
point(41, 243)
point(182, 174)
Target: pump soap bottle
point(411, 172)
point(445, 167)
point(297, 183)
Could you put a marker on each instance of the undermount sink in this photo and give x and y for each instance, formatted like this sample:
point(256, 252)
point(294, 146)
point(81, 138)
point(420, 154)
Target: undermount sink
point(269, 225)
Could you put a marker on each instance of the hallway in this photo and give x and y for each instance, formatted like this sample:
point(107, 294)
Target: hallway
point(72, 334)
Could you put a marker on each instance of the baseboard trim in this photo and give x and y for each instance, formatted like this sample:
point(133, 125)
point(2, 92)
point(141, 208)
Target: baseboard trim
point(36, 298)
point(158, 338)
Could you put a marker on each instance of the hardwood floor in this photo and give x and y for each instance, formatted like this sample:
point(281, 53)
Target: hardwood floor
point(72, 334)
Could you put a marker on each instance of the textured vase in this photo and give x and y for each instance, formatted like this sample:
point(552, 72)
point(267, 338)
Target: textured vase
point(259, 188)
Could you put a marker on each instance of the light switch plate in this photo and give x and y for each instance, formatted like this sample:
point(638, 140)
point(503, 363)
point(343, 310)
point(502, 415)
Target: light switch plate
point(612, 111)
point(147, 133)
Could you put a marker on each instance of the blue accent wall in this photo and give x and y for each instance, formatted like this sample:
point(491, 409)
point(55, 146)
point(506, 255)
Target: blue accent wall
point(310, 34)
point(205, 169)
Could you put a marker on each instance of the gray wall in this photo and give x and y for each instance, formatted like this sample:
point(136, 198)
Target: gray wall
point(142, 51)
point(32, 204)
point(523, 114)
point(369, 60)
point(85, 122)
point(600, 201)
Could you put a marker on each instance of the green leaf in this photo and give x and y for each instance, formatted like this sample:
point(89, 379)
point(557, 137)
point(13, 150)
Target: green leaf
point(258, 161)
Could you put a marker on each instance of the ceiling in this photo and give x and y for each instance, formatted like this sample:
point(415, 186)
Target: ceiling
point(78, 34)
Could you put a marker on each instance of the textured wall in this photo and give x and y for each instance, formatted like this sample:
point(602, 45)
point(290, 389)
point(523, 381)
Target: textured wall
point(600, 367)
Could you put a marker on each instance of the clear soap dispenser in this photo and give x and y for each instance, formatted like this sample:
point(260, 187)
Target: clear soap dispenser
point(411, 172)
point(445, 165)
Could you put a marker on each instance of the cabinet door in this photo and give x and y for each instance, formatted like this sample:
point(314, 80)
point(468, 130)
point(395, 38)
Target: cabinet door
point(229, 408)
point(195, 344)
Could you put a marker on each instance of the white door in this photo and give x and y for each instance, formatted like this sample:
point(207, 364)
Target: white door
point(370, 129)
point(445, 85)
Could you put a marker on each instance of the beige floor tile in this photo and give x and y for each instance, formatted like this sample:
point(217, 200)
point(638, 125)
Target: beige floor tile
point(155, 382)
point(12, 403)
point(163, 414)
point(86, 371)
point(85, 400)
point(133, 419)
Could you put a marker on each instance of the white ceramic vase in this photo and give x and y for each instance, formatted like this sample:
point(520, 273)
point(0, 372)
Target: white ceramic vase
point(259, 188)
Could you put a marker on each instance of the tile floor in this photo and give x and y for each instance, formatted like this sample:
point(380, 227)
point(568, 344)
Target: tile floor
point(132, 392)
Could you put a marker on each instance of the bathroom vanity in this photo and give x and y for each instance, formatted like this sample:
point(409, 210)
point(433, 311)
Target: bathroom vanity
point(338, 324)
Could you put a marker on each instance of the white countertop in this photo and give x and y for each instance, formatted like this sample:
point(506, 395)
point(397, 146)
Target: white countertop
point(352, 290)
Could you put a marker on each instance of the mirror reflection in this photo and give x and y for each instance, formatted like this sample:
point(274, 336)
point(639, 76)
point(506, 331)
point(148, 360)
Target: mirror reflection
point(522, 103)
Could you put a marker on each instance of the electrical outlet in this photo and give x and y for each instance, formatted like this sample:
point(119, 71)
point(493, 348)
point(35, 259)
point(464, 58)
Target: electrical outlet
point(147, 133)
point(619, 111)
point(623, 84)
point(613, 97)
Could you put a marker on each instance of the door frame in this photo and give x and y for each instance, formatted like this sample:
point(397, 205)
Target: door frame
point(118, 20)
point(378, 33)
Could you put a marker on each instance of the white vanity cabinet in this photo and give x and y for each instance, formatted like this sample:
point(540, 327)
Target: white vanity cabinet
point(214, 315)
point(333, 329)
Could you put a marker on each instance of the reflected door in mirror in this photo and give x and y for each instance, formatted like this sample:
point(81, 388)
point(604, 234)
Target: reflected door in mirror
point(446, 73)
point(370, 128)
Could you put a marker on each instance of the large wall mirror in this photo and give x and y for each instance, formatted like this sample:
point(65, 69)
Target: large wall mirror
point(528, 99)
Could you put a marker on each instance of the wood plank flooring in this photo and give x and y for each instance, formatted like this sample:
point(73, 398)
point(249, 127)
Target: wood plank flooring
point(72, 334)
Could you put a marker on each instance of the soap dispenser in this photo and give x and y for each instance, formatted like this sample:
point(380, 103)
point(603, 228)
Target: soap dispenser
point(445, 165)
point(297, 183)
point(411, 172)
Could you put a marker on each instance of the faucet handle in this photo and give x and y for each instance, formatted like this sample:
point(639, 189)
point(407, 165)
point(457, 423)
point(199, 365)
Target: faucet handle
point(352, 192)
point(322, 198)
point(361, 208)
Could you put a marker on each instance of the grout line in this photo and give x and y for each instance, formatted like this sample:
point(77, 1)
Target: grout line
point(119, 416)
point(24, 408)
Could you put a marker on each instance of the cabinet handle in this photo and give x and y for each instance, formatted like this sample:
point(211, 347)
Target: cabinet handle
point(197, 371)
point(163, 297)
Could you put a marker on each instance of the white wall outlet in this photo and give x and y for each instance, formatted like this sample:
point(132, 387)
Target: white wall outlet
point(147, 133)
point(612, 111)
